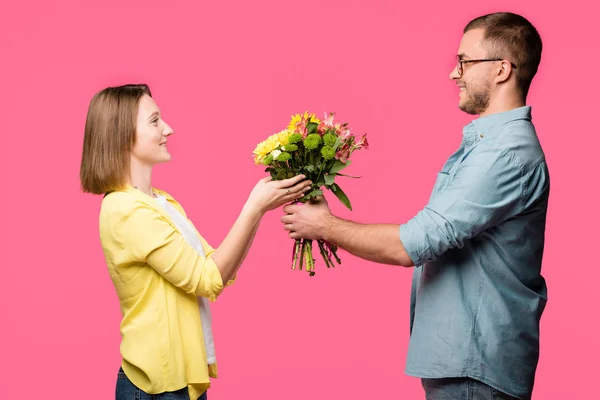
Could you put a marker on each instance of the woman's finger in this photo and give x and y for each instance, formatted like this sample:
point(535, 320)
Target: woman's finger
point(290, 195)
point(286, 183)
point(300, 187)
point(298, 191)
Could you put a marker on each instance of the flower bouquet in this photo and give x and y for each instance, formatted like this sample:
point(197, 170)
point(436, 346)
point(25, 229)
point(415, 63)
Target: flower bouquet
point(319, 150)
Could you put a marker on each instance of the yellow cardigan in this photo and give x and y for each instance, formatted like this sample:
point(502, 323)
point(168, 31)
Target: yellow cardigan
point(157, 276)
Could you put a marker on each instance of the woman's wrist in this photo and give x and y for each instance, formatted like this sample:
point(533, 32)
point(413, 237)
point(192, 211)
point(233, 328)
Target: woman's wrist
point(252, 212)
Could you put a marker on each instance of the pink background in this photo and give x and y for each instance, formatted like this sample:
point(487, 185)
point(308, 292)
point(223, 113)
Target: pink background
point(227, 74)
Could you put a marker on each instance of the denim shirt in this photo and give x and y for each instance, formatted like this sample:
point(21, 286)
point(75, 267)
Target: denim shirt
point(477, 291)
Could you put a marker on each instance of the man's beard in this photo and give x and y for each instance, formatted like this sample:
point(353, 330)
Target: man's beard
point(477, 99)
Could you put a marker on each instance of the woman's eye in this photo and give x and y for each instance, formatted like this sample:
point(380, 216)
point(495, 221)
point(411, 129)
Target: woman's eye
point(155, 122)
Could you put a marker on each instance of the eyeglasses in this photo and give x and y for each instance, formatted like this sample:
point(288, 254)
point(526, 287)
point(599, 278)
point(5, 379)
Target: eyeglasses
point(460, 62)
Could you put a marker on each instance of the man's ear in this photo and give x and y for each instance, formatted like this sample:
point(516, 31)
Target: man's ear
point(504, 71)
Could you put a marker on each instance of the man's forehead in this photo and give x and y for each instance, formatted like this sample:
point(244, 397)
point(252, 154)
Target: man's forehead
point(471, 44)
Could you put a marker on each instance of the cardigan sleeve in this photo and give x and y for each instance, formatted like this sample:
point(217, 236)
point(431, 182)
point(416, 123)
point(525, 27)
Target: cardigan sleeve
point(149, 237)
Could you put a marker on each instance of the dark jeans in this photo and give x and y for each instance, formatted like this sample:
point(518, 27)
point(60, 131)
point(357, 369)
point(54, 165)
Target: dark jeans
point(461, 389)
point(128, 391)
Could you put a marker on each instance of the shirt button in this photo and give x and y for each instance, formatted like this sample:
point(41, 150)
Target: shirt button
point(481, 135)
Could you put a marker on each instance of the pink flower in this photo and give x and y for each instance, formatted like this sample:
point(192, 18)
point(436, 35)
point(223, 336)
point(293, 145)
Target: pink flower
point(362, 143)
point(322, 128)
point(345, 133)
point(300, 127)
point(329, 119)
point(344, 152)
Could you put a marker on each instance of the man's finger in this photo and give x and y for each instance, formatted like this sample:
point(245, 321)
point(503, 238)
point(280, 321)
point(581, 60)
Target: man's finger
point(290, 208)
point(286, 219)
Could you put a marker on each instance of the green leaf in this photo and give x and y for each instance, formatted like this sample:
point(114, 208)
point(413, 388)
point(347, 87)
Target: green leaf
point(338, 166)
point(338, 141)
point(273, 173)
point(347, 176)
point(311, 195)
point(339, 193)
point(281, 174)
point(329, 179)
point(311, 127)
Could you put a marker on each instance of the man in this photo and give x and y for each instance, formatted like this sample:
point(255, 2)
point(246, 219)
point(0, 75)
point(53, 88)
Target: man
point(477, 294)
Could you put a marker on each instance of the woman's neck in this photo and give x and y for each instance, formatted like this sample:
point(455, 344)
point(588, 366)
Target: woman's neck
point(141, 177)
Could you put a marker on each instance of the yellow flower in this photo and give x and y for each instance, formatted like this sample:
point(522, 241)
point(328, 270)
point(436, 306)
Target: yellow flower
point(299, 117)
point(273, 142)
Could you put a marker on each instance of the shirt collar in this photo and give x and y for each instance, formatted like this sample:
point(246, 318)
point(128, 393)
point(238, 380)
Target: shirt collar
point(485, 126)
point(130, 189)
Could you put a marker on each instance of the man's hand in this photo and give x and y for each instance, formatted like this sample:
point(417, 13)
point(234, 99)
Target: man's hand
point(309, 220)
point(374, 242)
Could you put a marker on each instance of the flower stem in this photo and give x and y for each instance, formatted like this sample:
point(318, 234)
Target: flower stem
point(324, 254)
point(333, 249)
point(295, 253)
point(302, 250)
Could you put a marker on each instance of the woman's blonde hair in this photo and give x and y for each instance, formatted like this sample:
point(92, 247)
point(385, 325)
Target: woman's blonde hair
point(109, 136)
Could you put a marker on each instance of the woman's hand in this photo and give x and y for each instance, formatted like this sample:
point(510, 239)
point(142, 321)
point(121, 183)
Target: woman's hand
point(269, 194)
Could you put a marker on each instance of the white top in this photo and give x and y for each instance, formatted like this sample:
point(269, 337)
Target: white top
point(188, 232)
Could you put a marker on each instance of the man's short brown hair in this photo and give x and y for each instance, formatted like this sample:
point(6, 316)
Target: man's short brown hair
point(513, 37)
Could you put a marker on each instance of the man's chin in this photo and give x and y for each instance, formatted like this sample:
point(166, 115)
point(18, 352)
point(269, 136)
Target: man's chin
point(467, 109)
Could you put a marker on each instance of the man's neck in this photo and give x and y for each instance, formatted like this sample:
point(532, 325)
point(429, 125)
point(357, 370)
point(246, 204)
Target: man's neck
point(500, 105)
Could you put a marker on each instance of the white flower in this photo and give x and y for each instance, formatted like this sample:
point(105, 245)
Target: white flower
point(275, 153)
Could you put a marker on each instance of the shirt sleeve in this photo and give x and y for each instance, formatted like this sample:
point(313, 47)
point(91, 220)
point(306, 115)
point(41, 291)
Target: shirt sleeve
point(486, 189)
point(150, 237)
point(208, 249)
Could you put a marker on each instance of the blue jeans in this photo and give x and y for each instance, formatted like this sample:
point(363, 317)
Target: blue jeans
point(461, 389)
point(128, 391)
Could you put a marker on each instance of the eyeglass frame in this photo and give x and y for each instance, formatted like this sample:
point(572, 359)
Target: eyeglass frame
point(459, 63)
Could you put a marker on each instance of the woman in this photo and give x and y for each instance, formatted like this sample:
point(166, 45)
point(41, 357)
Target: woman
point(163, 271)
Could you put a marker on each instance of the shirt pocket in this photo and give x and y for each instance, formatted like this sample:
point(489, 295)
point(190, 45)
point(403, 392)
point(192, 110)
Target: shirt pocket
point(440, 183)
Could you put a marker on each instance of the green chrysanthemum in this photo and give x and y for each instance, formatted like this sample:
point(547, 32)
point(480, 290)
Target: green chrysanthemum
point(312, 141)
point(329, 139)
point(268, 160)
point(283, 156)
point(290, 147)
point(295, 138)
point(328, 152)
